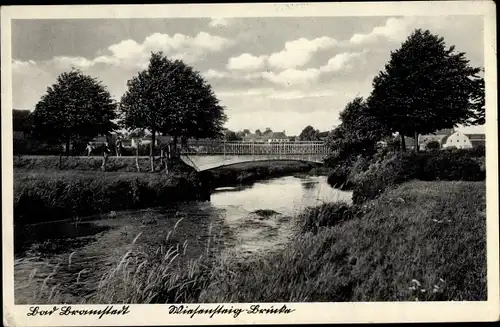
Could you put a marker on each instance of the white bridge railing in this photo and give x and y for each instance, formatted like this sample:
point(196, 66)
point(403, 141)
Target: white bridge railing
point(204, 147)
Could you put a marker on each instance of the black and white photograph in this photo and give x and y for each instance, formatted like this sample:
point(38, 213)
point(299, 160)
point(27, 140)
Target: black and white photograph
point(249, 166)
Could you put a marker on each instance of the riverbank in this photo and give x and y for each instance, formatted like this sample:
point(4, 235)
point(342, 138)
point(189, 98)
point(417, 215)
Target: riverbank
point(43, 193)
point(246, 173)
point(41, 196)
point(420, 241)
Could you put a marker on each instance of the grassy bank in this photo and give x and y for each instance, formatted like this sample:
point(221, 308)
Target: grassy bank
point(51, 195)
point(42, 192)
point(249, 172)
point(113, 164)
point(421, 241)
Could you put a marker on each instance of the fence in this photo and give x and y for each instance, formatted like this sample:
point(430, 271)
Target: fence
point(254, 148)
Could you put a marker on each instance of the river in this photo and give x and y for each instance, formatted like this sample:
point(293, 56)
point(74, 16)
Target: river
point(243, 221)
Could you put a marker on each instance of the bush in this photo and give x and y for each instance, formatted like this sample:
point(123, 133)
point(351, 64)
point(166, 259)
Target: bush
point(396, 169)
point(433, 145)
point(401, 167)
point(451, 167)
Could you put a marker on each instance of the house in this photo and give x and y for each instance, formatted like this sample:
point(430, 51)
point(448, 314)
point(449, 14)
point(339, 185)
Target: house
point(254, 138)
point(439, 136)
point(277, 137)
point(477, 139)
point(458, 140)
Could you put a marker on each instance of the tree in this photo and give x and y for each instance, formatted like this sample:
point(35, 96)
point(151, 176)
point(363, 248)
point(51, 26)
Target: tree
point(258, 132)
point(477, 103)
point(74, 110)
point(231, 136)
point(246, 131)
point(309, 134)
point(21, 120)
point(359, 131)
point(424, 87)
point(267, 131)
point(171, 98)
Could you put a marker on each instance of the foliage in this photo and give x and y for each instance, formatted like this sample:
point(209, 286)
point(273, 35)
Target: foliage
point(433, 145)
point(451, 167)
point(309, 134)
point(396, 168)
point(171, 98)
point(358, 133)
point(424, 87)
point(477, 102)
point(258, 132)
point(21, 120)
point(393, 170)
point(76, 109)
point(231, 136)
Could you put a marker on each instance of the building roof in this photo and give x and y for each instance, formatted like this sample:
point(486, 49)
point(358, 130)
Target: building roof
point(444, 131)
point(476, 136)
point(278, 135)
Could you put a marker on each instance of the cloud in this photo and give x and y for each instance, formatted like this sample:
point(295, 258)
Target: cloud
point(341, 61)
point(18, 65)
point(131, 54)
point(292, 76)
point(219, 22)
point(394, 29)
point(299, 52)
point(246, 62)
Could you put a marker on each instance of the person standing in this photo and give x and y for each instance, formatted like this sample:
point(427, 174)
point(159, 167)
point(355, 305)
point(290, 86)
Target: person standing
point(89, 149)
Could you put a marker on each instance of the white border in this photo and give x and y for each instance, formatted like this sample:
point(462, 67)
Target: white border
point(304, 312)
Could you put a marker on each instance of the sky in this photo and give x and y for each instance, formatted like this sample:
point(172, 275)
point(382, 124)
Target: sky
point(279, 72)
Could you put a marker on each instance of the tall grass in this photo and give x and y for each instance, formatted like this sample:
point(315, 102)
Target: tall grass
point(421, 241)
point(44, 196)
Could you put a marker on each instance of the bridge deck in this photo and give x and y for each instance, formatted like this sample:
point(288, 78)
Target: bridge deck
point(243, 148)
point(208, 155)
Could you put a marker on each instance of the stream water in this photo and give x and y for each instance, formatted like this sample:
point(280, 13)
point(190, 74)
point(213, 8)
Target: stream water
point(246, 221)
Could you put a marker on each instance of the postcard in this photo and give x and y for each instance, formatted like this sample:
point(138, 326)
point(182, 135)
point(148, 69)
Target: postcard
point(274, 163)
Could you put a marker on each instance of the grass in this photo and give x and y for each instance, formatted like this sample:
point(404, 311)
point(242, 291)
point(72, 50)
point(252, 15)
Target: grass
point(43, 192)
point(420, 241)
point(113, 164)
point(51, 195)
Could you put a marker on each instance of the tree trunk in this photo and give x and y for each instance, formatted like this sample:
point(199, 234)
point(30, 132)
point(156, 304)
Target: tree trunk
point(137, 158)
point(417, 145)
point(403, 142)
point(68, 142)
point(174, 148)
point(151, 150)
point(104, 159)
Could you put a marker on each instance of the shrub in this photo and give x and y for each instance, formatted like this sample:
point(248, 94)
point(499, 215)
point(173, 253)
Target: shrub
point(451, 167)
point(433, 145)
point(328, 214)
point(398, 168)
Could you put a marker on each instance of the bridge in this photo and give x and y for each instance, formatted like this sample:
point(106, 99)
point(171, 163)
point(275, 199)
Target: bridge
point(203, 155)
